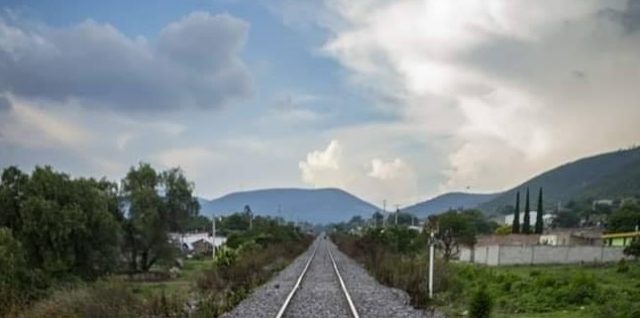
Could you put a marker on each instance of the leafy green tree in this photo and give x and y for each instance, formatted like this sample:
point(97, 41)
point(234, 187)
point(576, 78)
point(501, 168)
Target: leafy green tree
point(625, 219)
point(540, 214)
point(480, 223)
point(180, 204)
point(566, 219)
point(198, 223)
point(14, 282)
point(406, 218)
point(455, 229)
point(526, 223)
point(633, 249)
point(515, 227)
point(12, 187)
point(249, 215)
point(67, 228)
point(148, 221)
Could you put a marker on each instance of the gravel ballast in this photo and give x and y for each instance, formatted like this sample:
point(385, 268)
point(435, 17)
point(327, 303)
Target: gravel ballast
point(320, 294)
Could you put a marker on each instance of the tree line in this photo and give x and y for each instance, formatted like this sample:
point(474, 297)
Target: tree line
point(54, 227)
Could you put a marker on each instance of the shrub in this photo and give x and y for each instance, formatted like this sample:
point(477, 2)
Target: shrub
point(622, 266)
point(481, 304)
point(581, 289)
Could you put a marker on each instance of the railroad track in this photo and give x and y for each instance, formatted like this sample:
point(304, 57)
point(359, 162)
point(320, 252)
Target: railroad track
point(327, 288)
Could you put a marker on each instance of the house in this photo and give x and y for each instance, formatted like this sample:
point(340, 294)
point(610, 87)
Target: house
point(572, 237)
point(196, 242)
point(202, 246)
point(620, 239)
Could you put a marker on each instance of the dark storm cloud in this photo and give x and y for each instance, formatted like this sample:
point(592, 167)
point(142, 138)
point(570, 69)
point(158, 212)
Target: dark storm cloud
point(5, 104)
point(194, 63)
point(629, 17)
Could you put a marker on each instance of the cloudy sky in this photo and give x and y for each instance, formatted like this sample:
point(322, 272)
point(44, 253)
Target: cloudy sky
point(398, 100)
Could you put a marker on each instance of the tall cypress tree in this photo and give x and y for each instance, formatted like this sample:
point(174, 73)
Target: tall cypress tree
point(526, 224)
point(515, 227)
point(540, 214)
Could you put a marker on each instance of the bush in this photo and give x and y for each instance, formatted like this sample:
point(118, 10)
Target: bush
point(622, 266)
point(105, 300)
point(582, 288)
point(237, 271)
point(481, 304)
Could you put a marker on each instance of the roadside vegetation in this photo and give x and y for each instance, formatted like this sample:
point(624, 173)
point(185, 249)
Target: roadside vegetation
point(77, 247)
point(398, 256)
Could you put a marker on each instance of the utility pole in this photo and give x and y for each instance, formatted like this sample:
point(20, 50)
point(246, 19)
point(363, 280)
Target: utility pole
point(431, 256)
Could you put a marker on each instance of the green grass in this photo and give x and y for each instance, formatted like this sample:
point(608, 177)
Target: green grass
point(183, 284)
point(554, 291)
point(557, 314)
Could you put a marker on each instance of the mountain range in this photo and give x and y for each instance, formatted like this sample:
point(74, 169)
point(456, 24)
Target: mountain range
point(447, 201)
point(612, 175)
point(319, 206)
point(606, 176)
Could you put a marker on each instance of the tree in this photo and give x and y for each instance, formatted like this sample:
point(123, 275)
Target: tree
point(633, 249)
point(14, 274)
point(147, 224)
point(180, 204)
point(540, 214)
point(378, 218)
point(12, 187)
point(625, 219)
point(455, 229)
point(249, 215)
point(566, 219)
point(526, 224)
point(503, 230)
point(67, 228)
point(515, 227)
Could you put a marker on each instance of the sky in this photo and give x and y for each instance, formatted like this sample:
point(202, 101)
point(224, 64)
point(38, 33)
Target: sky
point(390, 100)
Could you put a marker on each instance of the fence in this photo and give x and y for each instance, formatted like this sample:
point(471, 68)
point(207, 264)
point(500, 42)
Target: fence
point(495, 255)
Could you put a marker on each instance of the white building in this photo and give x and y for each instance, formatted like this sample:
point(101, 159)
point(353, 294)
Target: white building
point(187, 240)
point(547, 218)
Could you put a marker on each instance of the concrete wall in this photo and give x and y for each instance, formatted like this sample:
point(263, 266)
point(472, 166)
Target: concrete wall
point(494, 255)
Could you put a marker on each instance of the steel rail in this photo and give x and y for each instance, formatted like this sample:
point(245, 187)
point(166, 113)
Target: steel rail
point(295, 288)
point(352, 307)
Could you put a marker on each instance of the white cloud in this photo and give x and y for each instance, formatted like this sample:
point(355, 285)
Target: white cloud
point(388, 170)
point(506, 88)
point(322, 167)
point(373, 179)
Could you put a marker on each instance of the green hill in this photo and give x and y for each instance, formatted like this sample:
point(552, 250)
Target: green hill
point(607, 176)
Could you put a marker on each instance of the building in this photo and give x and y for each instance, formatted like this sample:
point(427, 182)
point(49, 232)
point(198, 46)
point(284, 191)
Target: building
point(196, 242)
point(620, 239)
point(547, 218)
point(559, 247)
point(578, 237)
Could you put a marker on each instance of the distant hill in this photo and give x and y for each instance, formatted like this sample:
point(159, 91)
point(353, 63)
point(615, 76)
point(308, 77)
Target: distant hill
point(448, 201)
point(606, 176)
point(319, 206)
